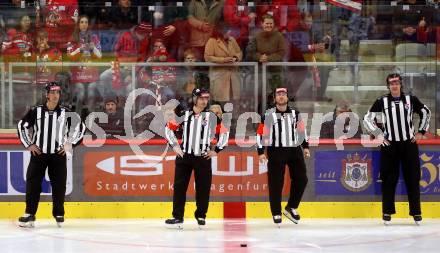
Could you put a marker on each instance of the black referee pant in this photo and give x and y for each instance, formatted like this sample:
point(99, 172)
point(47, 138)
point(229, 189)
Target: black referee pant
point(202, 178)
point(57, 171)
point(278, 158)
point(407, 154)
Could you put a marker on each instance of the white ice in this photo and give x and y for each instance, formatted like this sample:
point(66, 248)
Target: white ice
point(258, 235)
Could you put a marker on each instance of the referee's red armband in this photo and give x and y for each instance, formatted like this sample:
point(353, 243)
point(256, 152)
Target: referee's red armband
point(262, 129)
point(172, 125)
point(220, 129)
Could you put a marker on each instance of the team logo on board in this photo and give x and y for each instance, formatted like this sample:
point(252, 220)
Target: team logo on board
point(356, 173)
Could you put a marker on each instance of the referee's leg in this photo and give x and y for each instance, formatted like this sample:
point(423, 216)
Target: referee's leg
point(275, 176)
point(411, 175)
point(181, 180)
point(34, 177)
point(298, 177)
point(57, 169)
point(389, 174)
point(203, 179)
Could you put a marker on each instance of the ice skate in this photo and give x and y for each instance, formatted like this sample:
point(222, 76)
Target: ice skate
point(201, 222)
point(277, 220)
point(59, 220)
point(386, 219)
point(26, 221)
point(174, 223)
point(291, 214)
point(417, 219)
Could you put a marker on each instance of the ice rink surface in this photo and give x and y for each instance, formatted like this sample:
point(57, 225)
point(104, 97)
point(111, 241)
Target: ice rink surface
point(252, 235)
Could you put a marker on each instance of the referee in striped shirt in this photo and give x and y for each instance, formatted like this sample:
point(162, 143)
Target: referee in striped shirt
point(395, 111)
point(197, 129)
point(48, 131)
point(283, 132)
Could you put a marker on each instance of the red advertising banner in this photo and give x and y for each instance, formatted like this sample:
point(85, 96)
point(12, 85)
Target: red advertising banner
point(235, 174)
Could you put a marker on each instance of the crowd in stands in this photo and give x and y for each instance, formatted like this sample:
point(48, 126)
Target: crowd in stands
point(217, 31)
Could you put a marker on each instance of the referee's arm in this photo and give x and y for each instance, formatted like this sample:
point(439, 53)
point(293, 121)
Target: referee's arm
point(78, 127)
point(370, 119)
point(424, 113)
point(302, 131)
point(262, 131)
point(222, 135)
point(24, 125)
point(171, 138)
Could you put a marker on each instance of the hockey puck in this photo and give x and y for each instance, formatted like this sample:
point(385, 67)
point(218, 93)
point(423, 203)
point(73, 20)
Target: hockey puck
point(244, 245)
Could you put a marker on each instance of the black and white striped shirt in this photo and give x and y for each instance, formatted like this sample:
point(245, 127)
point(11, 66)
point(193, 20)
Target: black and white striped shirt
point(281, 129)
point(197, 131)
point(394, 117)
point(50, 129)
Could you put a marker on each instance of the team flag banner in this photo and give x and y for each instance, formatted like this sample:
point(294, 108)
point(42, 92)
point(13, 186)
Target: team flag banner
point(353, 5)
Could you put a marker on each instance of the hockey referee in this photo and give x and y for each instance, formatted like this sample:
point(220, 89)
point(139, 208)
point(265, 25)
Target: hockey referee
point(391, 119)
point(282, 131)
point(197, 129)
point(48, 131)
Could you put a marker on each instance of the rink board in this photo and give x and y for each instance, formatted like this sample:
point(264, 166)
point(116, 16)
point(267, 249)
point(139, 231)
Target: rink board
point(90, 210)
point(113, 182)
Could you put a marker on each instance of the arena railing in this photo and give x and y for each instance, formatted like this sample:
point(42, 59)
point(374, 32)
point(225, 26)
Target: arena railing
point(8, 96)
point(355, 65)
point(7, 99)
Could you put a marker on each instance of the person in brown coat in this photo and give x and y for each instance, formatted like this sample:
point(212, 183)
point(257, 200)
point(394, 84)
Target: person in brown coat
point(268, 45)
point(202, 17)
point(224, 81)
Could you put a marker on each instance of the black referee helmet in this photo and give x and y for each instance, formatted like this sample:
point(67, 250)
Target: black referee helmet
point(200, 92)
point(394, 77)
point(50, 86)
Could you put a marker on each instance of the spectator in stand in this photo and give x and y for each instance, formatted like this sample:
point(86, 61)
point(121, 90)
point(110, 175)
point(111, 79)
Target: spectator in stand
point(124, 16)
point(163, 78)
point(59, 18)
point(239, 17)
point(285, 13)
point(268, 45)
point(44, 53)
point(304, 43)
point(329, 127)
point(414, 24)
point(132, 46)
point(85, 46)
point(18, 45)
point(405, 21)
point(169, 24)
point(11, 15)
point(225, 81)
point(345, 16)
point(115, 123)
point(203, 15)
point(12, 10)
point(360, 27)
point(162, 75)
point(190, 78)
